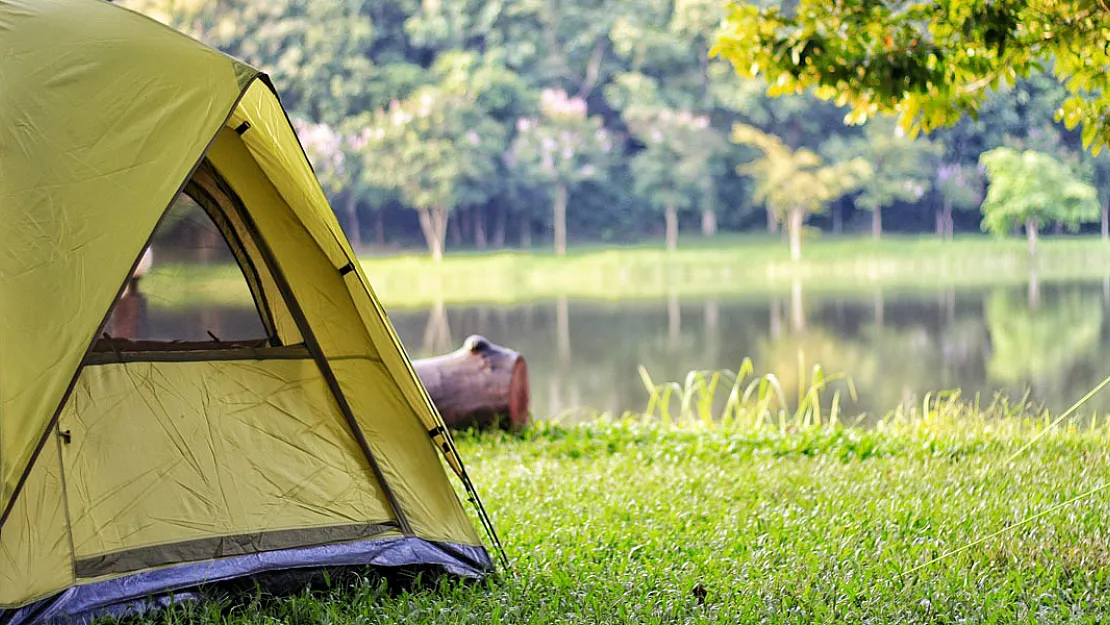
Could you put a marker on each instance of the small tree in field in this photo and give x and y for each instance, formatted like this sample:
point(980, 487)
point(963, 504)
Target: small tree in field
point(562, 148)
point(1032, 188)
point(960, 188)
point(434, 150)
point(673, 171)
point(796, 183)
point(902, 167)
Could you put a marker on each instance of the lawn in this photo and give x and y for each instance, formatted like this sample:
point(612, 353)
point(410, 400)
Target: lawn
point(730, 265)
point(643, 521)
point(724, 265)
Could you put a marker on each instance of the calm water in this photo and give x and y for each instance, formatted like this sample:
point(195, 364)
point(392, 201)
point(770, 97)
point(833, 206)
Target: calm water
point(895, 346)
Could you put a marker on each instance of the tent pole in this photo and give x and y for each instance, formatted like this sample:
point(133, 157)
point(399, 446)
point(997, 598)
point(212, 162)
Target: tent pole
point(313, 346)
point(472, 492)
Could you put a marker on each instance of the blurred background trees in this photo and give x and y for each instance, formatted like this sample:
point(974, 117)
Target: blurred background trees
point(581, 120)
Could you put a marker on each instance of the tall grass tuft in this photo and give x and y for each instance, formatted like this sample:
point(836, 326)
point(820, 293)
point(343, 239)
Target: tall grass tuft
point(743, 402)
point(750, 401)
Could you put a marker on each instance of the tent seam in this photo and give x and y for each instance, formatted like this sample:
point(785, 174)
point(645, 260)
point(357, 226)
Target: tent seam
point(313, 347)
point(65, 506)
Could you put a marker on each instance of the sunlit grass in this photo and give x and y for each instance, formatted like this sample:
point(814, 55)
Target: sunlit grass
point(728, 502)
point(726, 265)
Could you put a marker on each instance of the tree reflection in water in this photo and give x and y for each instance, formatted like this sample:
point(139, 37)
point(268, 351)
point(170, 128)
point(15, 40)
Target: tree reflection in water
point(895, 346)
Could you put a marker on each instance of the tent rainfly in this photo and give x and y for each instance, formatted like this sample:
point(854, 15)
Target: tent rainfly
point(136, 471)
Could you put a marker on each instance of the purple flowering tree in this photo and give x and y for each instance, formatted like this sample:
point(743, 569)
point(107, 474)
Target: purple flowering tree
point(561, 148)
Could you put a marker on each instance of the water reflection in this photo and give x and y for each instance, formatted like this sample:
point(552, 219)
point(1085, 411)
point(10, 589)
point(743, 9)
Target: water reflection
point(1042, 337)
point(895, 346)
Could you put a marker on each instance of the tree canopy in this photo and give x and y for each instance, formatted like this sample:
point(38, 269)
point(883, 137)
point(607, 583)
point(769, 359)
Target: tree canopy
point(674, 171)
point(1032, 189)
point(434, 150)
point(902, 168)
point(560, 149)
point(796, 183)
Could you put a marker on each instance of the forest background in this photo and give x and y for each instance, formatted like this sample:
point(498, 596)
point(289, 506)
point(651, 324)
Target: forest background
point(488, 124)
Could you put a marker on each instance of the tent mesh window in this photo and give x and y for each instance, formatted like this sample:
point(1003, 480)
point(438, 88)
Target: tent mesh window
point(200, 289)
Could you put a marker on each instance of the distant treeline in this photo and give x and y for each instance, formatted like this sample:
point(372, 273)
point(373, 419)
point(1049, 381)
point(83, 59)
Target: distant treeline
point(484, 123)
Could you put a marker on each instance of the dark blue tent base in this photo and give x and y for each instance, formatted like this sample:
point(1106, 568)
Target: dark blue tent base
point(138, 593)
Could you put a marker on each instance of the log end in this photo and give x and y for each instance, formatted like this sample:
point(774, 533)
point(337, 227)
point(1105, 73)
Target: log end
point(480, 385)
point(519, 396)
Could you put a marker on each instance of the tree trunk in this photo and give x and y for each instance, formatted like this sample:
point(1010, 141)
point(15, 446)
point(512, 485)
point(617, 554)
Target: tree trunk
point(877, 222)
point(1031, 227)
point(355, 234)
point(379, 226)
point(776, 318)
point(128, 318)
point(560, 218)
point(939, 214)
point(837, 219)
point(794, 227)
point(499, 226)
point(525, 233)
point(456, 232)
point(433, 223)
point(479, 385)
point(1034, 289)
point(949, 223)
point(463, 224)
point(709, 222)
point(946, 220)
point(672, 227)
point(209, 241)
point(562, 330)
point(1106, 220)
point(480, 227)
point(437, 329)
point(712, 342)
point(712, 312)
point(674, 322)
point(797, 307)
point(1058, 228)
point(772, 221)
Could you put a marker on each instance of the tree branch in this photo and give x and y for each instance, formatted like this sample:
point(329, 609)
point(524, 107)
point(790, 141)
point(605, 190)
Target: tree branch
point(593, 70)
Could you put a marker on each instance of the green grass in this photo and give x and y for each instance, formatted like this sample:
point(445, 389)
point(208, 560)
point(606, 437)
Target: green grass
point(775, 520)
point(729, 265)
point(725, 265)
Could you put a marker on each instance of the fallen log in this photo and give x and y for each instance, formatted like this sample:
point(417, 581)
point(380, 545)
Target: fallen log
point(480, 385)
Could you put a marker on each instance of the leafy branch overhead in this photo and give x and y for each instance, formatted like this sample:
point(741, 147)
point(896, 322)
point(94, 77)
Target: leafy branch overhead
point(929, 62)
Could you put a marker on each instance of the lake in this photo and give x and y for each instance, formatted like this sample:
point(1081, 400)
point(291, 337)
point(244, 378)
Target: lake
point(896, 346)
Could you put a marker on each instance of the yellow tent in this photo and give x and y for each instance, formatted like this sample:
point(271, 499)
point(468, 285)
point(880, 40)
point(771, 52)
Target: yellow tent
point(135, 469)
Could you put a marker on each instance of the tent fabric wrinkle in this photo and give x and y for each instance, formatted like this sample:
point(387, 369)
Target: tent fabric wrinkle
point(59, 199)
point(138, 470)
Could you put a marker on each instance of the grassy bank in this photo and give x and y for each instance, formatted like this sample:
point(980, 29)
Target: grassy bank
point(730, 265)
point(634, 521)
point(726, 265)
